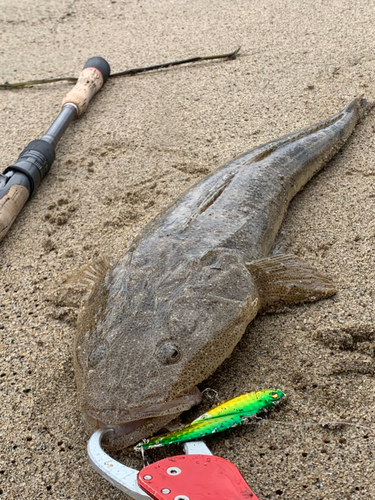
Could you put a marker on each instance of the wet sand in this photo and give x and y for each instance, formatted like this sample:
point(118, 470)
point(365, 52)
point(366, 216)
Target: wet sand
point(142, 142)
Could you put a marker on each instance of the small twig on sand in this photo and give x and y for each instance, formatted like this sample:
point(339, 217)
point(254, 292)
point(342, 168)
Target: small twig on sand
point(128, 72)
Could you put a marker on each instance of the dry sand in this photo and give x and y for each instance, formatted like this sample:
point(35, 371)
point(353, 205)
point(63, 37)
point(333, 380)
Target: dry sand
point(141, 143)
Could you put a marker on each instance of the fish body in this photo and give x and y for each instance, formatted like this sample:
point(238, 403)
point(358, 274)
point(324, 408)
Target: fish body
point(229, 414)
point(168, 313)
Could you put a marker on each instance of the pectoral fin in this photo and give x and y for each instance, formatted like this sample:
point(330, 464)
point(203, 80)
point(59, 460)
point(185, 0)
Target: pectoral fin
point(288, 279)
point(88, 275)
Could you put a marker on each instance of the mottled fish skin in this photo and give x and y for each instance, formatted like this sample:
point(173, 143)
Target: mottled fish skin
point(164, 317)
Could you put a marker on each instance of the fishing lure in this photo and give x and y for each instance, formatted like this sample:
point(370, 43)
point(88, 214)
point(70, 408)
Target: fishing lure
point(224, 416)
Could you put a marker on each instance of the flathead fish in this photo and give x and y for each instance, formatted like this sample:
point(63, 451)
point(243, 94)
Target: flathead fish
point(167, 314)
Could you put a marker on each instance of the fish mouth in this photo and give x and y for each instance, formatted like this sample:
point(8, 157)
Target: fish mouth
point(131, 426)
point(120, 429)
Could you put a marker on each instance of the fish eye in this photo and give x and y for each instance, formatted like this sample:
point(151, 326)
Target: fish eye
point(97, 355)
point(167, 353)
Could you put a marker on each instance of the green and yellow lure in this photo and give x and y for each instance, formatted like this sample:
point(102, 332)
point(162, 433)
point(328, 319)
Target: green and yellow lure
point(228, 414)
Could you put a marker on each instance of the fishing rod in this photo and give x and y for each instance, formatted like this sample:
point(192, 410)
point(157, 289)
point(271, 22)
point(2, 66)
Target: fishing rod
point(20, 180)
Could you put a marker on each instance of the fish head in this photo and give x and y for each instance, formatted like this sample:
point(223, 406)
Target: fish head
point(146, 340)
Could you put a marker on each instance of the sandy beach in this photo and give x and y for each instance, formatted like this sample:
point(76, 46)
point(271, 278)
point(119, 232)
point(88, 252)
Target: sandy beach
point(142, 142)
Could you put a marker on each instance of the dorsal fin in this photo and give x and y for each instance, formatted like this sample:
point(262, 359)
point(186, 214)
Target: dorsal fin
point(88, 275)
point(210, 198)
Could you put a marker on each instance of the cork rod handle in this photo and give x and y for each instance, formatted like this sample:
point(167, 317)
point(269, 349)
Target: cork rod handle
point(10, 206)
point(95, 73)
